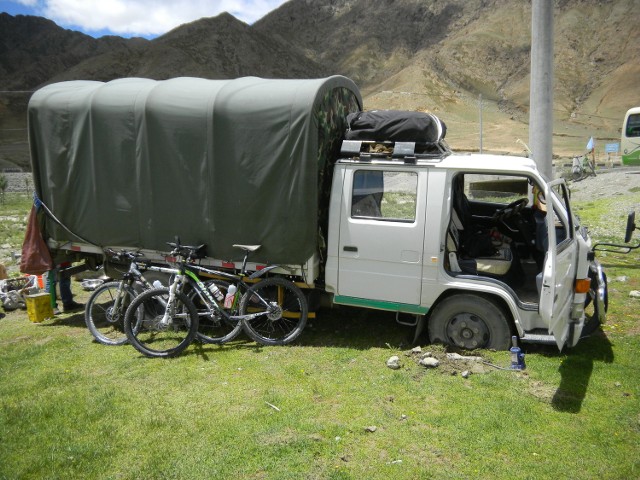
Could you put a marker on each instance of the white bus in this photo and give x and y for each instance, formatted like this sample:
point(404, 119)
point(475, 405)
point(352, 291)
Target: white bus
point(630, 139)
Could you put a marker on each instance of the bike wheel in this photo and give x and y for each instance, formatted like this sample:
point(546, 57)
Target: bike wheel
point(214, 327)
point(152, 336)
point(284, 317)
point(104, 319)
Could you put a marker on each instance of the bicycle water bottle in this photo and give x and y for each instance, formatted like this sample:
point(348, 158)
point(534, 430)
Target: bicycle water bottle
point(215, 291)
point(230, 296)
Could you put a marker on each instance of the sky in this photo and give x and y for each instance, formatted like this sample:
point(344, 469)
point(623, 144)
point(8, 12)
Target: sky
point(135, 18)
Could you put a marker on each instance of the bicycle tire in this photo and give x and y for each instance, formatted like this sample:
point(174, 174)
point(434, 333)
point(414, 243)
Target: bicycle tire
point(105, 324)
point(214, 329)
point(287, 314)
point(150, 337)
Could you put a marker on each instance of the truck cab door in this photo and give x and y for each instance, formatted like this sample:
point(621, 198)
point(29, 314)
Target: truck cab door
point(382, 223)
point(560, 266)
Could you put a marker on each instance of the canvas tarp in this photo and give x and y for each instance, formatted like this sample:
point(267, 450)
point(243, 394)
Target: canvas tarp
point(134, 162)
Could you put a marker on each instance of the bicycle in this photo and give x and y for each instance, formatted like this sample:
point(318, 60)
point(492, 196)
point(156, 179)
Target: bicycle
point(162, 322)
point(106, 308)
point(582, 168)
point(107, 305)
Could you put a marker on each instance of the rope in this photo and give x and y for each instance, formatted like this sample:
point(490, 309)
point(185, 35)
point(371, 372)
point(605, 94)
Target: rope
point(37, 202)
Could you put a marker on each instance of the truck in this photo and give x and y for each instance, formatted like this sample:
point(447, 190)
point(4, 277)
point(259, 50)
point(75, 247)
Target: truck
point(369, 209)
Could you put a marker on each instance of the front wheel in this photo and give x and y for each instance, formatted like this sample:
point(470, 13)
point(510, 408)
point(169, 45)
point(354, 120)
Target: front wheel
point(277, 311)
point(158, 329)
point(470, 321)
point(105, 311)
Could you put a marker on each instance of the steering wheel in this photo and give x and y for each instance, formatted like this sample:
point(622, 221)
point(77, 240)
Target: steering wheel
point(511, 210)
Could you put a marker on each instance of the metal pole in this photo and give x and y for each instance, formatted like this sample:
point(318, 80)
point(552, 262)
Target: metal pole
point(541, 88)
point(480, 114)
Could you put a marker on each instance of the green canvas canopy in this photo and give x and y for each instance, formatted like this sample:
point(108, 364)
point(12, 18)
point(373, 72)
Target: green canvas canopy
point(134, 162)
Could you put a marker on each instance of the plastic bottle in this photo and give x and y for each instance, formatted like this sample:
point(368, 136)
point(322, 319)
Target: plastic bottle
point(230, 296)
point(215, 291)
point(157, 284)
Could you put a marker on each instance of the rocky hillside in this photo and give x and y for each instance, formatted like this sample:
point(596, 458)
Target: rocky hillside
point(438, 55)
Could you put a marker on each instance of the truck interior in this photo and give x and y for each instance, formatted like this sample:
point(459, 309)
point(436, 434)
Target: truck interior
point(497, 229)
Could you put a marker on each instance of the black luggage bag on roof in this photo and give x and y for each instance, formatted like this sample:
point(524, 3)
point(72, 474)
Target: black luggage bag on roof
point(395, 126)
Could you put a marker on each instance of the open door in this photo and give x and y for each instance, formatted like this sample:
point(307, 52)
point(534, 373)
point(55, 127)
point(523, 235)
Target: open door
point(560, 266)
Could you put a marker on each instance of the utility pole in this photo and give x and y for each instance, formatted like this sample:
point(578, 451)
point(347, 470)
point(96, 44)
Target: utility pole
point(480, 114)
point(541, 86)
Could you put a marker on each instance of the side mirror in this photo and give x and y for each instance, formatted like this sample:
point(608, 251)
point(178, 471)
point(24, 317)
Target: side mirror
point(631, 226)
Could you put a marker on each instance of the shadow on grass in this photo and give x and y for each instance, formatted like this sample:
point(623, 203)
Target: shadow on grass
point(576, 369)
point(358, 328)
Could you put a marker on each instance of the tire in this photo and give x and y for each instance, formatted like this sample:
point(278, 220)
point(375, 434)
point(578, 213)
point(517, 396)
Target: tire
point(214, 328)
point(104, 322)
point(592, 322)
point(285, 318)
point(470, 321)
point(146, 333)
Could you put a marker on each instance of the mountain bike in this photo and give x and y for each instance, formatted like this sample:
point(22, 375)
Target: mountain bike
point(582, 168)
point(162, 322)
point(107, 305)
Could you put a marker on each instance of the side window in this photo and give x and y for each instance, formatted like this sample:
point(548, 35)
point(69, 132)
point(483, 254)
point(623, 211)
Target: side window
point(495, 189)
point(564, 229)
point(381, 195)
point(633, 125)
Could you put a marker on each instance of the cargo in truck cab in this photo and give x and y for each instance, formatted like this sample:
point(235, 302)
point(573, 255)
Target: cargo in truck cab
point(369, 208)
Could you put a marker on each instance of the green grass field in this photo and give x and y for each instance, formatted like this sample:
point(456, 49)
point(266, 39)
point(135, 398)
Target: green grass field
point(72, 408)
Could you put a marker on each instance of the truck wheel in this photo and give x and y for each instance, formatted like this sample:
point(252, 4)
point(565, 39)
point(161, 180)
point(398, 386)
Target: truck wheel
point(470, 321)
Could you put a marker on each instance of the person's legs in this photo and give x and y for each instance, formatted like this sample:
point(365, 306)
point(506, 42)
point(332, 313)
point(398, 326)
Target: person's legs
point(66, 296)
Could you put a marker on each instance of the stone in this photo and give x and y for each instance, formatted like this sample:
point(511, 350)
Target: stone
point(394, 362)
point(430, 362)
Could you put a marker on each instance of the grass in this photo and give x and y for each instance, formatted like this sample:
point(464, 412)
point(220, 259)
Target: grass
point(71, 408)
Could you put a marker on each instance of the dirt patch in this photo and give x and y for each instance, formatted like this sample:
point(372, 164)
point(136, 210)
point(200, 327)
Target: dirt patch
point(450, 363)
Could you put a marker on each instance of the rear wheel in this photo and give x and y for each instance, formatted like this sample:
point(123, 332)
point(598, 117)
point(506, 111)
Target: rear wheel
point(283, 317)
point(470, 321)
point(151, 332)
point(105, 319)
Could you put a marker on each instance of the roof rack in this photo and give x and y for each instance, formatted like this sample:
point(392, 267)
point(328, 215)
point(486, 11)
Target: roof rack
point(406, 152)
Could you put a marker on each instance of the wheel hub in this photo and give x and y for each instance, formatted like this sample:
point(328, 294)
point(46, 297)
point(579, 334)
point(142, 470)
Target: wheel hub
point(469, 331)
point(274, 312)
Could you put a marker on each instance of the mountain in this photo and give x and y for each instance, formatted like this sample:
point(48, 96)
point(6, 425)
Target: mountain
point(440, 55)
point(437, 55)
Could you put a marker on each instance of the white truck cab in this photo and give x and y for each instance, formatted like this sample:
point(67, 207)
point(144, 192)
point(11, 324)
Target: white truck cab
point(480, 247)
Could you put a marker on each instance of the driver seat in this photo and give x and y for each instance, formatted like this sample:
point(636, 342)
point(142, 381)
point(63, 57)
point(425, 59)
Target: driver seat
point(494, 265)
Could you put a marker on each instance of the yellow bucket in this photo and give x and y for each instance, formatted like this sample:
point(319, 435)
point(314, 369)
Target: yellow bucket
point(39, 307)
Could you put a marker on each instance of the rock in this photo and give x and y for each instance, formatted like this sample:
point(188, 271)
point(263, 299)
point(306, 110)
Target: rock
point(621, 279)
point(416, 350)
point(371, 428)
point(466, 374)
point(394, 362)
point(429, 362)
point(457, 356)
point(634, 294)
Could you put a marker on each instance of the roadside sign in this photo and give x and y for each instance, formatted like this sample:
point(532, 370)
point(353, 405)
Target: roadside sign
point(612, 148)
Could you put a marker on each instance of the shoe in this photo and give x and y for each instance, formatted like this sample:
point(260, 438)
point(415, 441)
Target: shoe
point(72, 307)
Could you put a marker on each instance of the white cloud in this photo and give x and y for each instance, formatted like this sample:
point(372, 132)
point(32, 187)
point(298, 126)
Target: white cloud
point(147, 17)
